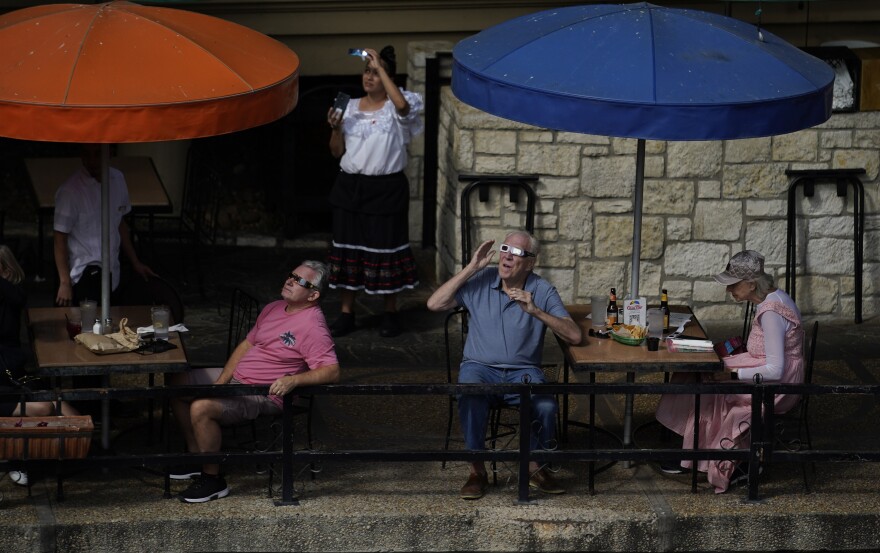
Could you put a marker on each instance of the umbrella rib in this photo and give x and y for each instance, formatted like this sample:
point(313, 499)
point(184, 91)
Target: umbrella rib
point(78, 55)
point(653, 57)
point(568, 24)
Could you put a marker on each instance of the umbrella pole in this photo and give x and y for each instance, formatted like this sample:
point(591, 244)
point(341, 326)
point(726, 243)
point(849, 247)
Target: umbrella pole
point(634, 287)
point(637, 217)
point(105, 234)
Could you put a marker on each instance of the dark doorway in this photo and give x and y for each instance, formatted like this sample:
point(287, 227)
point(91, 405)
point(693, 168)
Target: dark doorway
point(308, 169)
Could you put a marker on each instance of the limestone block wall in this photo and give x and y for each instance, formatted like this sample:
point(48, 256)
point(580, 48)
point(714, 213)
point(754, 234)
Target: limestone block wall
point(703, 202)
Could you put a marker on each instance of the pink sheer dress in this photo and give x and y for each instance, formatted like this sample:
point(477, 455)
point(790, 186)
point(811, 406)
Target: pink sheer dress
point(724, 419)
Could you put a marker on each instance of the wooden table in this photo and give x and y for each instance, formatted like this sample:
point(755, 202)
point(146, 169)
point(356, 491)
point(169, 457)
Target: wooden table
point(606, 355)
point(145, 188)
point(57, 355)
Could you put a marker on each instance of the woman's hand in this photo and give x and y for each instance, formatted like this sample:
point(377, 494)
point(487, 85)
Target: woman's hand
point(334, 119)
point(373, 60)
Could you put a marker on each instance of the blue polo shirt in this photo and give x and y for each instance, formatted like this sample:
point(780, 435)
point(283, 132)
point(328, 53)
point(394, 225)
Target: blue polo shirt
point(500, 333)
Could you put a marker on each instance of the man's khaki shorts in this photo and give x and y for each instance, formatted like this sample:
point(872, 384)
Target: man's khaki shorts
point(235, 408)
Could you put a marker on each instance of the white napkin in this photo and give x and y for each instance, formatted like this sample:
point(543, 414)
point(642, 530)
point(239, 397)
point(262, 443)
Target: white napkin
point(172, 328)
point(679, 320)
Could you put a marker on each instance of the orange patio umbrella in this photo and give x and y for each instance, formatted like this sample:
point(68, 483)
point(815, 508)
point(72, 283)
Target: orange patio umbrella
point(122, 72)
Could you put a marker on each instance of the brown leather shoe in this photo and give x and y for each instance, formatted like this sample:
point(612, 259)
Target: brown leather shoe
point(475, 486)
point(543, 482)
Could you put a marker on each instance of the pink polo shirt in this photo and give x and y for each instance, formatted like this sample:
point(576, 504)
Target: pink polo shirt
point(285, 344)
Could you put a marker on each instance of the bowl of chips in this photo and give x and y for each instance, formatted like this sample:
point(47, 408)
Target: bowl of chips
point(630, 335)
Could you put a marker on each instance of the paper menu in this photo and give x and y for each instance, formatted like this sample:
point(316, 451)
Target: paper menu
point(635, 312)
point(684, 345)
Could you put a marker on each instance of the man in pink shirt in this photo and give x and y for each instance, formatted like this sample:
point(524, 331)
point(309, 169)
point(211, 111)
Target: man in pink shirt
point(289, 346)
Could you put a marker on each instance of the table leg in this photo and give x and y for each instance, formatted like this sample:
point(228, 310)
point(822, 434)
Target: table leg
point(591, 441)
point(565, 402)
point(39, 276)
point(105, 414)
point(627, 418)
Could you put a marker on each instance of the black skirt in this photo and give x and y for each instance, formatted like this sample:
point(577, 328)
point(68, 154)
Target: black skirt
point(370, 248)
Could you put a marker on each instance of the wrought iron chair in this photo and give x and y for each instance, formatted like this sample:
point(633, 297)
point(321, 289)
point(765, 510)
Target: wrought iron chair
point(480, 185)
point(453, 356)
point(798, 415)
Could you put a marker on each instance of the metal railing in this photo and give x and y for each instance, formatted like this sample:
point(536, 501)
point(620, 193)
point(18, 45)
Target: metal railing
point(761, 447)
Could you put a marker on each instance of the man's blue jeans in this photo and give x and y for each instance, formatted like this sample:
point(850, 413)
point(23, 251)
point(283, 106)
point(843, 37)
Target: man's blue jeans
point(473, 409)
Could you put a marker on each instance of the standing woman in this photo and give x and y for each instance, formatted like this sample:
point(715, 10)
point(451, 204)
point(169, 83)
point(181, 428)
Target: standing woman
point(370, 197)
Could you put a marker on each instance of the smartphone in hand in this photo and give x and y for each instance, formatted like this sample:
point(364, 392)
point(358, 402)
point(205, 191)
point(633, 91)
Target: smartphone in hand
point(341, 103)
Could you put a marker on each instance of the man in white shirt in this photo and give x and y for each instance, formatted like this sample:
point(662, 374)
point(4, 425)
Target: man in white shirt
point(77, 227)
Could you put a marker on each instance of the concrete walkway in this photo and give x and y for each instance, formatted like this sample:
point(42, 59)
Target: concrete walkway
point(362, 506)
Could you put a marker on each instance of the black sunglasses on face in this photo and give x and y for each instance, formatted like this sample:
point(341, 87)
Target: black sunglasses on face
point(513, 250)
point(301, 281)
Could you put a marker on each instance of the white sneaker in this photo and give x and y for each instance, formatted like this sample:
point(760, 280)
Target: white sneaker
point(18, 477)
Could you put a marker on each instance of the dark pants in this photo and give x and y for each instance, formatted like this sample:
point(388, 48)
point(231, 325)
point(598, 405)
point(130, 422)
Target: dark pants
point(89, 288)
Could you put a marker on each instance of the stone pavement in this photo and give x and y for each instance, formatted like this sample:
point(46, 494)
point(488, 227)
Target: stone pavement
point(371, 506)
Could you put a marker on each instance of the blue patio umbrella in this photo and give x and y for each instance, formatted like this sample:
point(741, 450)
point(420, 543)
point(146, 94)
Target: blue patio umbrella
point(642, 71)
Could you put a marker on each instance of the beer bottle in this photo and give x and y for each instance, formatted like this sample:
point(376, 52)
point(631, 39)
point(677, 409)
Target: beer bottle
point(611, 312)
point(664, 307)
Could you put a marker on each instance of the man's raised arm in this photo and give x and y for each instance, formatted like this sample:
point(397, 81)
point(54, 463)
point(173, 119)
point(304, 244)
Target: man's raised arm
point(444, 297)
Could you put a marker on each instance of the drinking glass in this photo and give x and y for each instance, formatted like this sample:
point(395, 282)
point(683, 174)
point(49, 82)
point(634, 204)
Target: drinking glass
point(88, 313)
point(655, 323)
point(161, 317)
point(74, 322)
point(598, 308)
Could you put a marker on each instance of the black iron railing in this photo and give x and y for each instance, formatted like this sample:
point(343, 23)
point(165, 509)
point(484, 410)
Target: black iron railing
point(761, 448)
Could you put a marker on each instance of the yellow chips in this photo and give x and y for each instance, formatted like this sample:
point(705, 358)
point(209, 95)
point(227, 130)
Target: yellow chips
point(630, 331)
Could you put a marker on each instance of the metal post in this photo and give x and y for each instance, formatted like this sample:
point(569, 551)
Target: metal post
point(287, 497)
point(525, 434)
point(105, 234)
point(638, 194)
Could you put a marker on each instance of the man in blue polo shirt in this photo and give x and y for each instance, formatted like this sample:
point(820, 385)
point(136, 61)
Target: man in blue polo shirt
point(510, 309)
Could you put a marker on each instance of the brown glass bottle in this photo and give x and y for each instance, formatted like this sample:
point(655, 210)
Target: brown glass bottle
point(664, 307)
point(611, 312)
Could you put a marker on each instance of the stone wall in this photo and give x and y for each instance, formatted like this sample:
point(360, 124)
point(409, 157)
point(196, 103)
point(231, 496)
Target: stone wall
point(703, 202)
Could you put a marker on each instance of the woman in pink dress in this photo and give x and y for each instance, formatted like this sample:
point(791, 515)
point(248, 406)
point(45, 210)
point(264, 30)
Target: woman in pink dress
point(775, 351)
